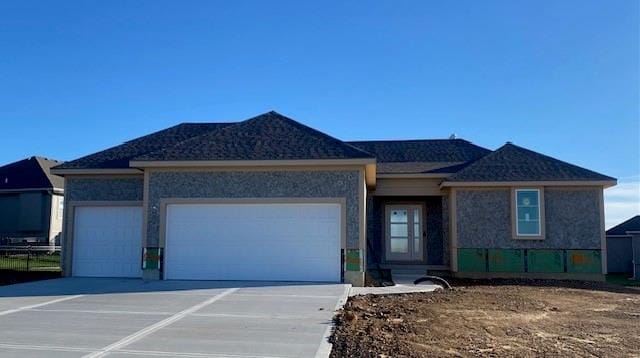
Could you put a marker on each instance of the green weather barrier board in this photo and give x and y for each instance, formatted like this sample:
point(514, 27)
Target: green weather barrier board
point(353, 260)
point(152, 258)
point(472, 260)
point(550, 261)
point(584, 261)
point(537, 260)
point(506, 260)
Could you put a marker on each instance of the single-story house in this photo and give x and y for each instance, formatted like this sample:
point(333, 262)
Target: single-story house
point(31, 202)
point(620, 248)
point(269, 198)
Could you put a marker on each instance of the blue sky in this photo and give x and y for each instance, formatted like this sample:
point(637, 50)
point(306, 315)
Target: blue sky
point(559, 77)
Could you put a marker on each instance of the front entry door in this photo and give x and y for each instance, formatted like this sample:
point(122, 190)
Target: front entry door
point(404, 233)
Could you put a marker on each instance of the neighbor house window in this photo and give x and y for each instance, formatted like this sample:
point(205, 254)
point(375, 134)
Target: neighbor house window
point(528, 218)
point(60, 207)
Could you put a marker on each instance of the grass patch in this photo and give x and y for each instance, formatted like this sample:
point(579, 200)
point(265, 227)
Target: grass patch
point(33, 263)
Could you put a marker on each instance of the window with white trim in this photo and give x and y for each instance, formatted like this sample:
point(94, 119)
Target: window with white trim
point(60, 207)
point(528, 221)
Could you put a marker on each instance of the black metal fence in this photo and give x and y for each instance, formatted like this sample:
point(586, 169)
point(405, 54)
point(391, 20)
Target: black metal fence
point(30, 258)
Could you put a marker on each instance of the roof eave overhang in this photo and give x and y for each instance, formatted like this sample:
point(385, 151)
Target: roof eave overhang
point(413, 175)
point(22, 190)
point(104, 171)
point(602, 183)
point(247, 163)
point(368, 163)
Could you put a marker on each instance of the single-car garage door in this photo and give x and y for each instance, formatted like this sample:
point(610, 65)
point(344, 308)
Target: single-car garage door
point(107, 241)
point(272, 242)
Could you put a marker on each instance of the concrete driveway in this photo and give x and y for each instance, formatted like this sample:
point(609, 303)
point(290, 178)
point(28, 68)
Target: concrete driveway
point(82, 317)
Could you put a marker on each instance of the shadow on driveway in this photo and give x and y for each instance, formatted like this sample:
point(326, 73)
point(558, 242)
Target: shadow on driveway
point(87, 286)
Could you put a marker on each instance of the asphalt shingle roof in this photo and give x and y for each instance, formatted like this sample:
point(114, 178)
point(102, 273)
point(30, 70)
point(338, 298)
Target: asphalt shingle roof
point(514, 163)
point(270, 136)
point(119, 156)
point(632, 224)
point(30, 173)
point(422, 156)
point(427, 150)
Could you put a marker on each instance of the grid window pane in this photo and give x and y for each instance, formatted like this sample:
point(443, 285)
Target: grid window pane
point(398, 216)
point(528, 227)
point(527, 198)
point(399, 245)
point(528, 214)
point(399, 230)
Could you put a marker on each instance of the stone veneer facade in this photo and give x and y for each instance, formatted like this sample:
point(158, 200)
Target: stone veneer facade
point(572, 219)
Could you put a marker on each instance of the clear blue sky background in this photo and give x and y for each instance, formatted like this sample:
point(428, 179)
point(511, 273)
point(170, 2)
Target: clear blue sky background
point(559, 77)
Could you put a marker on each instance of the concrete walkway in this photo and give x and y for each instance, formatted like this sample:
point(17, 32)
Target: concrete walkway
point(403, 284)
point(77, 317)
point(398, 288)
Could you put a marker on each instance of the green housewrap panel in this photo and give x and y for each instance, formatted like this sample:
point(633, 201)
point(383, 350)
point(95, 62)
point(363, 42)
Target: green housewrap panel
point(545, 260)
point(584, 261)
point(472, 260)
point(353, 260)
point(152, 258)
point(506, 260)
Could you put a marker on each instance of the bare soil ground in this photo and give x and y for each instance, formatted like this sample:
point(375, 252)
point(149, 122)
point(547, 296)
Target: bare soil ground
point(496, 318)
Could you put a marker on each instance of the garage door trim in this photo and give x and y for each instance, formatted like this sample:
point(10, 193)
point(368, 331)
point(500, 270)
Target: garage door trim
point(69, 238)
point(164, 202)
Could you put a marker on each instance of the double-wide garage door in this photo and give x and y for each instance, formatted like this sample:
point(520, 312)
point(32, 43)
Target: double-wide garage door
point(279, 242)
point(275, 242)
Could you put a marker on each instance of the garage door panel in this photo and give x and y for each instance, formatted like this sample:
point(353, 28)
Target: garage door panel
point(293, 242)
point(107, 241)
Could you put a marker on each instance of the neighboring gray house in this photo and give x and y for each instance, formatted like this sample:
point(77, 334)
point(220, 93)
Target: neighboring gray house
point(620, 245)
point(271, 199)
point(31, 202)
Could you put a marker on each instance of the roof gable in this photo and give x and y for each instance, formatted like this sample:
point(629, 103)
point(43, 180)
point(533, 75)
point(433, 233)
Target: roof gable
point(514, 163)
point(30, 173)
point(270, 136)
point(632, 224)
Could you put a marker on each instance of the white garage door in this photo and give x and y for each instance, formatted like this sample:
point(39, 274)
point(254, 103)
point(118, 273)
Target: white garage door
point(272, 242)
point(107, 241)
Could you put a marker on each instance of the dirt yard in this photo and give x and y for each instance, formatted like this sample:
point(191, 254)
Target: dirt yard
point(497, 319)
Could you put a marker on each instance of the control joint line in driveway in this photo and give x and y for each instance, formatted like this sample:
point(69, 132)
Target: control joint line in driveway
point(324, 350)
point(154, 327)
point(24, 308)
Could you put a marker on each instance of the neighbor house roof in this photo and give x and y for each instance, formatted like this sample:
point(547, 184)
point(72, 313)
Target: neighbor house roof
point(120, 155)
point(632, 224)
point(421, 156)
point(513, 163)
point(30, 173)
point(270, 136)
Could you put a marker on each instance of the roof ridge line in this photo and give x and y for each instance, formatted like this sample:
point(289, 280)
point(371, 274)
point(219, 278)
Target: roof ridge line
point(410, 140)
point(322, 133)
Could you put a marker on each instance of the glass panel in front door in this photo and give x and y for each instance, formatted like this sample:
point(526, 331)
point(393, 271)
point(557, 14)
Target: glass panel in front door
point(404, 233)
